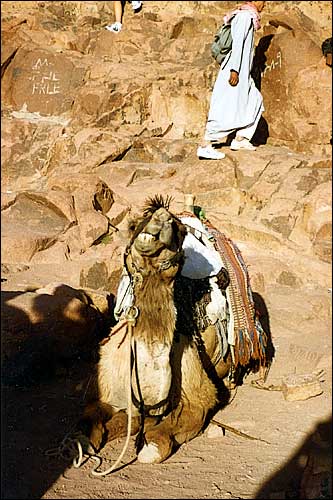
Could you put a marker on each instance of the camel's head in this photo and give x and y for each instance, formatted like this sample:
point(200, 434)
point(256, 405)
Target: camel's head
point(156, 238)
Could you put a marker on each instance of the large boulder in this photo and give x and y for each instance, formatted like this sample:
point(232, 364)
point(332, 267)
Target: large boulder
point(30, 224)
point(42, 81)
point(296, 85)
point(45, 328)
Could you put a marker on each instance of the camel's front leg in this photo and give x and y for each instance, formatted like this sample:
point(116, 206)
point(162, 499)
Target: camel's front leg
point(180, 426)
point(117, 426)
point(192, 396)
point(101, 424)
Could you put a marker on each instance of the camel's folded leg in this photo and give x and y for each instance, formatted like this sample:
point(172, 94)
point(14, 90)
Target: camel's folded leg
point(116, 427)
point(193, 394)
point(92, 424)
point(101, 423)
point(178, 427)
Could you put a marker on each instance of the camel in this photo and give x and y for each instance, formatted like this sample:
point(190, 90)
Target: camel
point(162, 372)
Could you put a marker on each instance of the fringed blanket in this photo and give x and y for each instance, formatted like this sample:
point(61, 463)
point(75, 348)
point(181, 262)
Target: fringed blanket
point(246, 336)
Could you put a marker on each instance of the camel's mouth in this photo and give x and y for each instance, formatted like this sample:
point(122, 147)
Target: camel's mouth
point(148, 244)
point(146, 238)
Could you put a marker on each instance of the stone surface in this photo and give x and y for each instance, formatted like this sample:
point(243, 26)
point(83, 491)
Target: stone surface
point(300, 387)
point(93, 124)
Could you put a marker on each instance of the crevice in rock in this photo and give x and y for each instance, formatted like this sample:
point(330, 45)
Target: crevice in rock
point(7, 62)
point(116, 158)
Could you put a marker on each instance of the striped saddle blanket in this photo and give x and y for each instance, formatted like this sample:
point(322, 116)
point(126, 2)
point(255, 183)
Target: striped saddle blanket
point(246, 336)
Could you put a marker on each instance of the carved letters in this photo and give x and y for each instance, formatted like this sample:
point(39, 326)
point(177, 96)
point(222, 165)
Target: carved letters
point(44, 79)
point(274, 64)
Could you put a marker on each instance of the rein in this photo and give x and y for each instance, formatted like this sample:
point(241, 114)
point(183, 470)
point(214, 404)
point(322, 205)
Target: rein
point(131, 314)
point(70, 444)
point(137, 276)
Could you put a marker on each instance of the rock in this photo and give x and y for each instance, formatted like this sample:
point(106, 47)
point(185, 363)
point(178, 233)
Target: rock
point(95, 276)
point(118, 213)
point(100, 299)
point(44, 328)
point(283, 78)
point(300, 387)
point(103, 197)
point(29, 226)
point(42, 80)
point(314, 224)
point(214, 432)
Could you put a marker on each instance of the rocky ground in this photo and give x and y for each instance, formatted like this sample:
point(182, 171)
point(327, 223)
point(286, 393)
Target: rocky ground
point(79, 158)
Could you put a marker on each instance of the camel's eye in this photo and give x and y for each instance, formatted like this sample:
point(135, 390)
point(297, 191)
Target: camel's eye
point(131, 227)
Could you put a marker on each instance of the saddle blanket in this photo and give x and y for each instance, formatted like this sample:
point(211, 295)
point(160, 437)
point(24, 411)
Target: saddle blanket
point(245, 333)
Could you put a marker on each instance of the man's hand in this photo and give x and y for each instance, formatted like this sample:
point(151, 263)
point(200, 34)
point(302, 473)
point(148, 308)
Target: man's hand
point(233, 80)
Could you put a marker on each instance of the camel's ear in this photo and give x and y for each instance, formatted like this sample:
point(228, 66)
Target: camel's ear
point(135, 225)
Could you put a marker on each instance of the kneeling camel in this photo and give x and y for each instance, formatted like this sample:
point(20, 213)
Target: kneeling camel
point(169, 360)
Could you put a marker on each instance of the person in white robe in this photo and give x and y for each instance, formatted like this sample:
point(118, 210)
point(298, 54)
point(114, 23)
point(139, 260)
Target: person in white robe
point(236, 104)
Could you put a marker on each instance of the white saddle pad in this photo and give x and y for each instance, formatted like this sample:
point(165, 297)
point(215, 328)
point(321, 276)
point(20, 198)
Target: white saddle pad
point(201, 259)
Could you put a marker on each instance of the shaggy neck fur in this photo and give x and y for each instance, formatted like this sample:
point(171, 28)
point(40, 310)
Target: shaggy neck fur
point(157, 314)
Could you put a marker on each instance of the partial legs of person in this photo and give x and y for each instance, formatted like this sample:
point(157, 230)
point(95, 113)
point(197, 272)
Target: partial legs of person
point(207, 151)
point(136, 5)
point(244, 135)
point(118, 14)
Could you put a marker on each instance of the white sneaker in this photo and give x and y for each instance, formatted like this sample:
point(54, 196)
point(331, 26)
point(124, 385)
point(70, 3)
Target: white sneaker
point(114, 27)
point(243, 144)
point(136, 4)
point(209, 153)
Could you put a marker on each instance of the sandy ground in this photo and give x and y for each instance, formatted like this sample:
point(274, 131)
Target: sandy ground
point(289, 437)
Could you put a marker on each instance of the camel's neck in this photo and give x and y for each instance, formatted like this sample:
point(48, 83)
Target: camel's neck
point(157, 314)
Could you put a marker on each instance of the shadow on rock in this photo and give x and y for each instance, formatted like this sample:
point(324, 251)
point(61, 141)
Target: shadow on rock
point(258, 68)
point(46, 370)
point(260, 59)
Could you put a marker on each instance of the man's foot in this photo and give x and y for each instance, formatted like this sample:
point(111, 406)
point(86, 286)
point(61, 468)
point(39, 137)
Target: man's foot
point(209, 153)
point(238, 144)
point(114, 27)
point(136, 5)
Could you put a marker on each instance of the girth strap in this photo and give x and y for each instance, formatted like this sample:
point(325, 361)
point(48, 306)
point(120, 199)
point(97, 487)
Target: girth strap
point(139, 403)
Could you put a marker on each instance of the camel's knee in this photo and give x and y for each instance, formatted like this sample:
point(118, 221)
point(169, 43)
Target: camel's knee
point(117, 426)
point(97, 436)
point(98, 411)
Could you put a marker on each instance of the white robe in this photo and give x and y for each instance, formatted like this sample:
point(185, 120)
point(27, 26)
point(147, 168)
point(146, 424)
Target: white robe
point(239, 107)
